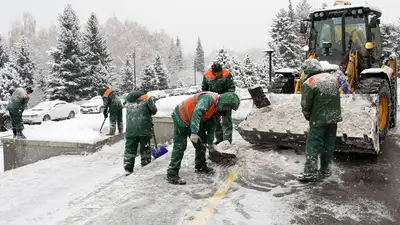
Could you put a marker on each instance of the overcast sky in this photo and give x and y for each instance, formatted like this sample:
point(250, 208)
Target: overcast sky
point(234, 24)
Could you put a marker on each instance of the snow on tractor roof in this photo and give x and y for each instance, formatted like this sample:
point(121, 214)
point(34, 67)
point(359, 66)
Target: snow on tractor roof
point(340, 7)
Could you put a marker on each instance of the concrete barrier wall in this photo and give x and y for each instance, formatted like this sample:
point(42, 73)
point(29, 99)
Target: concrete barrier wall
point(19, 153)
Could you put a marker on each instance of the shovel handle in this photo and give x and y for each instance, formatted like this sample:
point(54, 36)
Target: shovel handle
point(102, 124)
point(154, 137)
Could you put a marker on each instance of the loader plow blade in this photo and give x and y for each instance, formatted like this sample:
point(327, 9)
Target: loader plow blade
point(283, 124)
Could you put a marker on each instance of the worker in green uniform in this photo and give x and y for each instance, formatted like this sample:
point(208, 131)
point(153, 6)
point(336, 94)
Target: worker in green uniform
point(196, 118)
point(112, 104)
point(320, 102)
point(220, 81)
point(139, 109)
point(16, 106)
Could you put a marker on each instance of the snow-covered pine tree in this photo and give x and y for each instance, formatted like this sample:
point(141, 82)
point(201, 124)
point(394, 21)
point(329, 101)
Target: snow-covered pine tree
point(161, 73)
point(179, 62)
point(128, 84)
point(96, 58)
point(303, 10)
point(9, 80)
point(199, 60)
point(324, 5)
point(285, 41)
point(230, 63)
point(68, 81)
point(291, 12)
point(171, 64)
point(250, 72)
point(179, 83)
point(149, 80)
point(4, 58)
point(24, 62)
point(263, 71)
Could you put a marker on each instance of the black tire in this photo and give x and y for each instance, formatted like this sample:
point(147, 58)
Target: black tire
point(380, 86)
point(71, 115)
point(7, 123)
point(393, 121)
point(46, 118)
point(282, 85)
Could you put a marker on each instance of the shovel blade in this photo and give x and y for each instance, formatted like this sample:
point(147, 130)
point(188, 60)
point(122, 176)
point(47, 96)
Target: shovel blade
point(158, 152)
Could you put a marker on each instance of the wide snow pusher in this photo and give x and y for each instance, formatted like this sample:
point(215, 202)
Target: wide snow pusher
point(346, 40)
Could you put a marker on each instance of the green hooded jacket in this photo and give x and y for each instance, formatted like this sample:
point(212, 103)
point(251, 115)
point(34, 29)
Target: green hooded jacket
point(218, 84)
point(139, 111)
point(19, 101)
point(320, 99)
point(204, 102)
point(111, 101)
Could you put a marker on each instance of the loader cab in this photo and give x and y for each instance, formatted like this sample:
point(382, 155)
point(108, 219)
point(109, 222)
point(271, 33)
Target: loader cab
point(338, 30)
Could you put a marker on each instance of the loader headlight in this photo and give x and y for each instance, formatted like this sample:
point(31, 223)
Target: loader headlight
point(321, 14)
point(354, 12)
point(360, 11)
point(316, 15)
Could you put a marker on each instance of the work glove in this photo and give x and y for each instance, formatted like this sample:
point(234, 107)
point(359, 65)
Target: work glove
point(194, 138)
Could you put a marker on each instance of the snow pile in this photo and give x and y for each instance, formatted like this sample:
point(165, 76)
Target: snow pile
point(285, 114)
point(82, 129)
point(226, 147)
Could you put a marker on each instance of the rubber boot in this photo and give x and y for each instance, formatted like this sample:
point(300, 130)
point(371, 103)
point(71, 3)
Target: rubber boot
point(307, 177)
point(205, 170)
point(325, 173)
point(20, 135)
point(145, 162)
point(14, 133)
point(128, 171)
point(176, 180)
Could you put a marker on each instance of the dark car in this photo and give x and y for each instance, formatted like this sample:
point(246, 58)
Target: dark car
point(5, 120)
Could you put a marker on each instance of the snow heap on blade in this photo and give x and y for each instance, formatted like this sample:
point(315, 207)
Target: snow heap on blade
point(284, 123)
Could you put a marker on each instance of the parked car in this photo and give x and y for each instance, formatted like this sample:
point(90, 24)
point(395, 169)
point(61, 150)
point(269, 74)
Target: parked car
point(158, 94)
point(5, 120)
point(178, 91)
point(193, 90)
point(94, 105)
point(50, 110)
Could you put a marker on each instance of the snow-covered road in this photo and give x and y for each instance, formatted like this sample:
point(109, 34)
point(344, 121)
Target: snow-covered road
point(259, 189)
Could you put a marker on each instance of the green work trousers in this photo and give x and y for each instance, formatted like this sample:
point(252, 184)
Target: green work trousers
point(116, 120)
point(17, 122)
point(223, 131)
point(320, 142)
point(180, 143)
point(131, 146)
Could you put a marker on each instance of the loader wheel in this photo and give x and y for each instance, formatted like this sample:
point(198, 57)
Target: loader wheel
point(379, 86)
point(282, 85)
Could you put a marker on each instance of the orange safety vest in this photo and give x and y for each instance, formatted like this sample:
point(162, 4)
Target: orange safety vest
point(143, 97)
point(187, 107)
point(211, 75)
point(107, 92)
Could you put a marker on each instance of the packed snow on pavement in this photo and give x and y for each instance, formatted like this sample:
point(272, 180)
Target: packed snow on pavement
point(93, 190)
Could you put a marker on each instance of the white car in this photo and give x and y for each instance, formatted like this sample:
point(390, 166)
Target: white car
point(193, 90)
point(50, 110)
point(158, 94)
point(94, 105)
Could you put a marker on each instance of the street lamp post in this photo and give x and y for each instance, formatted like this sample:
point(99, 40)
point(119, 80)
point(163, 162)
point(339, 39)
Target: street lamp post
point(269, 51)
point(134, 65)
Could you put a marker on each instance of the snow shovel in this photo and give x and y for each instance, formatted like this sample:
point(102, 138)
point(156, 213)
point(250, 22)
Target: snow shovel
point(102, 124)
point(216, 156)
point(259, 98)
point(156, 150)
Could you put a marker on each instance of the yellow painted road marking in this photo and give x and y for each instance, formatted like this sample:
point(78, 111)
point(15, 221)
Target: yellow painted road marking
point(202, 216)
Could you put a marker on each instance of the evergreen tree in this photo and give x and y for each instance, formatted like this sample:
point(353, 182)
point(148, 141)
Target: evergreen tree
point(251, 75)
point(303, 10)
point(263, 71)
point(179, 83)
point(24, 64)
point(149, 80)
point(291, 12)
point(230, 63)
point(171, 64)
point(324, 5)
point(161, 73)
point(4, 58)
point(389, 38)
point(68, 82)
point(9, 80)
point(285, 41)
point(128, 84)
point(199, 60)
point(179, 56)
point(96, 58)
